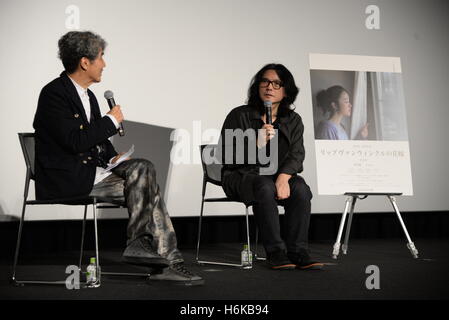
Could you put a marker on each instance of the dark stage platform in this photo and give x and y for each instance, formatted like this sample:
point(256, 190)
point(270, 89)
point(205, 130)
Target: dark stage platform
point(401, 276)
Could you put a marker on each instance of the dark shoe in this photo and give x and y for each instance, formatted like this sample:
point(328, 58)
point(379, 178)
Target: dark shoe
point(278, 260)
point(178, 274)
point(140, 252)
point(303, 261)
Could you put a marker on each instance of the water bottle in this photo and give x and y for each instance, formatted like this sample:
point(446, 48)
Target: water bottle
point(247, 257)
point(93, 274)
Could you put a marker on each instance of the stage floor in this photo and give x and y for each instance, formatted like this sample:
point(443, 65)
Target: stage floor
point(400, 276)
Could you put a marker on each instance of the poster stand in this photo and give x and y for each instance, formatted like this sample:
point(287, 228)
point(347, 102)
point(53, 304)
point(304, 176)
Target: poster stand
point(350, 202)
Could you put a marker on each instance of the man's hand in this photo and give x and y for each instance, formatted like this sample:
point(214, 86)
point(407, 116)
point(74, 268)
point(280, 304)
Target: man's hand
point(282, 186)
point(266, 133)
point(118, 156)
point(116, 112)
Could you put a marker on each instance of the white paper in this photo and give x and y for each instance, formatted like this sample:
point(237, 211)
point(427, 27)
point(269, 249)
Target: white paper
point(122, 158)
point(103, 173)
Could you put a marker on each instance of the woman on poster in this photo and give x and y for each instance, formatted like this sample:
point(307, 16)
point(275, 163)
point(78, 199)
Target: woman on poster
point(335, 103)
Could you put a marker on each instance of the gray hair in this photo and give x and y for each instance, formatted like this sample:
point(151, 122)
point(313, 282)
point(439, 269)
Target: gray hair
point(75, 45)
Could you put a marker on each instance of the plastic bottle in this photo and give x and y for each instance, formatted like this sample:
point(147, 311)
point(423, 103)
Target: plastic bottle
point(93, 274)
point(247, 257)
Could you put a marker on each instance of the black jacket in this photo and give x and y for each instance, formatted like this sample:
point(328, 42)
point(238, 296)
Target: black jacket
point(290, 126)
point(237, 177)
point(66, 143)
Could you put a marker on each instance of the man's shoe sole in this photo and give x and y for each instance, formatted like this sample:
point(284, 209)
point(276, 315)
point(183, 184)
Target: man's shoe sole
point(149, 262)
point(312, 266)
point(187, 283)
point(284, 267)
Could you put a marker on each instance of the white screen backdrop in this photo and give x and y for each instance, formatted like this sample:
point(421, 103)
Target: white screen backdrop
point(172, 63)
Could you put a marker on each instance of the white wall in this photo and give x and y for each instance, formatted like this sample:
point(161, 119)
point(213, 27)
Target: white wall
point(174, 62)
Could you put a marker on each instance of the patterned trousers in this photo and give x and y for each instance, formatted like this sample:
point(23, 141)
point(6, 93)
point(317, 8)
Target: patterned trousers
point(134, 182)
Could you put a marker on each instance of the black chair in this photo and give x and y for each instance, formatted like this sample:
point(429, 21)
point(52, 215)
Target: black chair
point(27, 142)
point(212, 174)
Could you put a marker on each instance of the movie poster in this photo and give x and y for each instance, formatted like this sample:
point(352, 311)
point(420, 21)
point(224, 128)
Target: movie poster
point(360, 125)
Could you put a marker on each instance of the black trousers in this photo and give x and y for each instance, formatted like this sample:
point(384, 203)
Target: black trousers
point(297, 214)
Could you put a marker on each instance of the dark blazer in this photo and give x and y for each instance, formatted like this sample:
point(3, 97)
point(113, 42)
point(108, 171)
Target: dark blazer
point(291, 128)
point(66, 143)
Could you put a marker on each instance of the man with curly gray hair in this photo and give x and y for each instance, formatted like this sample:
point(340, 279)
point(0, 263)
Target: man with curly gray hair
point(72, 150)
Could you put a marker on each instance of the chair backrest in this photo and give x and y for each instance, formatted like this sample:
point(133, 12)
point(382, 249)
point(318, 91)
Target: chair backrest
point(27, 143)
point(211, 171)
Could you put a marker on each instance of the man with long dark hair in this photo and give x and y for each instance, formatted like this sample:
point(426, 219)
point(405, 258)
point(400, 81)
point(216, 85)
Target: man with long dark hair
point(72, 149)
point(248, 182)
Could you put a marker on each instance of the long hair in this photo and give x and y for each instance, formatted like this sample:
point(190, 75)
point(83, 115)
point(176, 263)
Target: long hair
point(288, 82)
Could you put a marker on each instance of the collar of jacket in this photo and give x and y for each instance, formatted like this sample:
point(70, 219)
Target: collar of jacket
point(73, 94)
point(255, 115)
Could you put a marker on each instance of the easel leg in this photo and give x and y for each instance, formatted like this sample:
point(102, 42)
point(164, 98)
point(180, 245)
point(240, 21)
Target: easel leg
point(340, 229)
point(410, 244)
point(344, 247)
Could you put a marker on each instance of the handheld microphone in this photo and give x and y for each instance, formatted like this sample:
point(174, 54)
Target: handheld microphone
point(109, 96)
point(267, 105)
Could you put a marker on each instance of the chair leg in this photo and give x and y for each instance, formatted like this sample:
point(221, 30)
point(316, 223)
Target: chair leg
point(97, 253)
point(256, 255)
point(62, 282)
point(82, 238)
point(201, 262)
point(247, 238)
point(256, 244)
point(199, 231)
point(19, 237)
point(94, 210)
point(14, 280)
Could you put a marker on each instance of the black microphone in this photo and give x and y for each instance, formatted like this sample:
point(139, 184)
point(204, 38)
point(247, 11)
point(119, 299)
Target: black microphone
point(267, 105)
point(109, 96)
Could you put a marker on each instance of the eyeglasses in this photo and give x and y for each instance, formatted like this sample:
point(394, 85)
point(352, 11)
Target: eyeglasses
point(277, 84)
